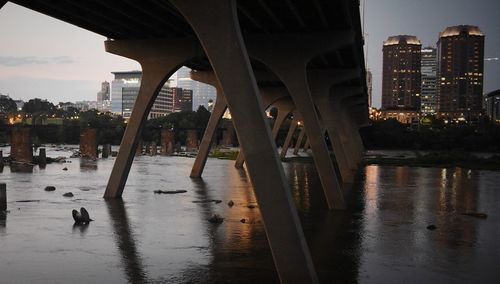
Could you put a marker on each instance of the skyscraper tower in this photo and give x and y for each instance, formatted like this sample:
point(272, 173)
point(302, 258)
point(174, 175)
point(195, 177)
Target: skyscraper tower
point(428, 98)
point(401, 73)
point(460, 71)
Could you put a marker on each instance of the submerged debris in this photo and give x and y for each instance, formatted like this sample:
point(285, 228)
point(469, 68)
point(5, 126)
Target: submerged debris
point(65, 169)
point(169, 191)
point(81, 217)
point(243, 220)
point(431, 227)
point(476, 214)
point(68, 194)
point(216, 219)
point(30, 200)
point(230, 203)
point(50, 188)
point(216, 201)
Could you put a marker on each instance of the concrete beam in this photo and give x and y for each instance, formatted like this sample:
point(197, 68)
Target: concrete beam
point(349, 133)
point(216, 25)
point(320, 82)
point(159, 60)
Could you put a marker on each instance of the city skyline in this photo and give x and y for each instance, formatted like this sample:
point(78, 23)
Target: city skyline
point(62, 62)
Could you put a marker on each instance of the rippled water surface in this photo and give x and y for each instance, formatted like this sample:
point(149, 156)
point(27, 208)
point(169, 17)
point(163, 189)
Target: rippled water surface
point(167, 238)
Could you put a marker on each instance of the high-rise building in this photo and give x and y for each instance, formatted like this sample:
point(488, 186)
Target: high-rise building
point(202, 93)
point(428, 97)
point(369, 86)
point(401, 73)
point(460, 72)
point(182, 100)
point(124, 91)
point(103, 100)
point(103, 94)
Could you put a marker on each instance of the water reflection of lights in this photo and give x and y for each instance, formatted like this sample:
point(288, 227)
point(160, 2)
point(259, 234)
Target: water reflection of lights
point(371, 188)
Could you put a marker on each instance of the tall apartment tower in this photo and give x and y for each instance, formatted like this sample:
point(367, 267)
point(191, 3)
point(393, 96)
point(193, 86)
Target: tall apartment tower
point(460, 71)
point(428, 98)
point(401, 73)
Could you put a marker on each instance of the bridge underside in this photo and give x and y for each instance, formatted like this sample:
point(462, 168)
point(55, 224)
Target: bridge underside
point(304, 57)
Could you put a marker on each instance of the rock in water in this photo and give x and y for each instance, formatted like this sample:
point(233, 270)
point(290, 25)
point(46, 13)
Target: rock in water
point(230, 203)
point(50, 188)
point(431, 227)
point(77, 216)
point(85, 215)
point(81, 217)
point(68, 194)
point(243, 220)
point(65, 169)
point(216, 219)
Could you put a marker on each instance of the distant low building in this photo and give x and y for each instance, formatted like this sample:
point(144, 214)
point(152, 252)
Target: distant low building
point(403, 116)
point(65, 106)
point(85, 105)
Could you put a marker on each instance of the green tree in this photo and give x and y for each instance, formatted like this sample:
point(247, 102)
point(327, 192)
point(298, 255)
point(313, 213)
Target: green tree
point(7, 105)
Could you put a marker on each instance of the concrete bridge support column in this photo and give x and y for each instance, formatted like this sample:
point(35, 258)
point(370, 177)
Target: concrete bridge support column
point(350, 103)
point(320, 82)
point(106, 150)
point(299, 140)
point(307, 145)
point(167, 142)
point(216, 25)
point(88, 143)
point(346, 130)
point(191, 140)
point(20, 145)
point(159, 60)
point(3, 197)
point(42, 158)
point(284, 104)
point(288, 56)
point(289, 135)
point(220, 107)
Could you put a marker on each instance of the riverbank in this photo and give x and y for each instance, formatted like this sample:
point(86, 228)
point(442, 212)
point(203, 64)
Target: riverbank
point(436, 159)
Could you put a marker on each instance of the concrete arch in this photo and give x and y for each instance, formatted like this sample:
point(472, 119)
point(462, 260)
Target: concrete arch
point(159, 59)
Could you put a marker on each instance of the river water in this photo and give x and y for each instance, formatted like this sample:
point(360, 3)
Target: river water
point(382, 237)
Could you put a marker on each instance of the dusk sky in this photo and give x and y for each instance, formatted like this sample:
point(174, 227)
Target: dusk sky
point(46, 58)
